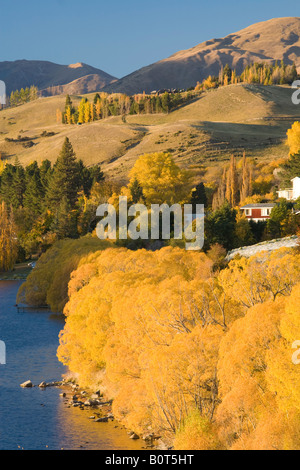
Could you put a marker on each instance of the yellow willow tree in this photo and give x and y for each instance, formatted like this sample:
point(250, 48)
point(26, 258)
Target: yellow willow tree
point(283, 368)
point(161, 179)
point(47, 284)
point(179, 347)
point(197, 433)
point(8, 239)
point(246, 399)
point(147, 326)
point(259, 381)
point(261, 277)
point(293, 138)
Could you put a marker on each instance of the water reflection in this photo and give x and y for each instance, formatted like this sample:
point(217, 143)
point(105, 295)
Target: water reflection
point(74, 426)
point(34, 418)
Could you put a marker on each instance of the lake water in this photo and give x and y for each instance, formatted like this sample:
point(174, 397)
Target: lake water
point(36, 419)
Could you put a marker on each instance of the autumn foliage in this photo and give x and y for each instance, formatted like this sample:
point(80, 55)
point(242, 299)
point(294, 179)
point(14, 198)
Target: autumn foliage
point(8, 240)
point(200, 356)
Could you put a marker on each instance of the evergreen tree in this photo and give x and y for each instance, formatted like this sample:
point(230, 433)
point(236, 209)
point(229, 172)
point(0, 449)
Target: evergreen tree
point(227, 72)
point(45, 173)
point(165, 102)
point(7, 178)
point(96, 175)
point(65, 181)
point(34, 194)
point(19, 185)
point(199, 196)
point(291, 169)
point(136, 192)
point(280, 220)
point(220, 227)
point(65, 221)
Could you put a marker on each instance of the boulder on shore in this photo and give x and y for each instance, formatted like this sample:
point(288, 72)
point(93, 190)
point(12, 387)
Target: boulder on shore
point(27, 384)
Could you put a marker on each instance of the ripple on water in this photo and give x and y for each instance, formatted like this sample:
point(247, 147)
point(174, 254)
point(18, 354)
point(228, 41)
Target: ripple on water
point(34, 418)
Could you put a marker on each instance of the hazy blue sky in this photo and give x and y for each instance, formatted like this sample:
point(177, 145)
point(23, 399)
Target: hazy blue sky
point(119, 36)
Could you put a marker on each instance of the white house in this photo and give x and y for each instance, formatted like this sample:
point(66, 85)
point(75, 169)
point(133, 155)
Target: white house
point(291, 194)
point(258, 212)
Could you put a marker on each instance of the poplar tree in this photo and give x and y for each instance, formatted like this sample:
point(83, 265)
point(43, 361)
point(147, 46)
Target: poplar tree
point(246, 180)
point(8, 239)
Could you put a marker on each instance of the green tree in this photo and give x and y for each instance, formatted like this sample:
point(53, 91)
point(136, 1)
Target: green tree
point(198, 196)
point(282, 221)
point(65, 181)
point(46, 171)
point(165, 102)
point(291, 168)
point(34, 195)
point(18, 185)
point(65, 221)
point(68, 102)
point(7, 178)
point(136, 192)
point(220, 227)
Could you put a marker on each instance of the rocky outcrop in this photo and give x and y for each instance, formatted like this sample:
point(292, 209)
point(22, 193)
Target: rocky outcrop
point(270, 245)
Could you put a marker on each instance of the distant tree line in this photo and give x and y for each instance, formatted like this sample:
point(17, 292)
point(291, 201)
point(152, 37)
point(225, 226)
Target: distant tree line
point(257, 73)
point(22, 96)
point(117, 104)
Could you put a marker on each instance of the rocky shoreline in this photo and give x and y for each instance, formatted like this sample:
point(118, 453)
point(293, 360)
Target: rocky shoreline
point(100, 409)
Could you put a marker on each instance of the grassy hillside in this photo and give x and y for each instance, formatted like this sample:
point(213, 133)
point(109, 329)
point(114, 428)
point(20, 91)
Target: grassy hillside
point(206, 132)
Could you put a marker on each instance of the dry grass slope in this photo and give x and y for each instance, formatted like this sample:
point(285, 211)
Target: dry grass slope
point(204, 133)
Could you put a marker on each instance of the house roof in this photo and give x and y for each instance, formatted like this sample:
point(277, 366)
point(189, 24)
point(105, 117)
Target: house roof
point(258, 206)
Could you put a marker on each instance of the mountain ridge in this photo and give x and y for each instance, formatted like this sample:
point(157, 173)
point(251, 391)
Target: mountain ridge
point(45, 74)
point(267, 41)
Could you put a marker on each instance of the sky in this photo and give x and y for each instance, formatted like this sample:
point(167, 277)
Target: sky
point(120, 36)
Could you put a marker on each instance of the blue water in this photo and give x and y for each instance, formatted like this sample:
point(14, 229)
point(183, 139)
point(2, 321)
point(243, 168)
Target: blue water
point(36, 419)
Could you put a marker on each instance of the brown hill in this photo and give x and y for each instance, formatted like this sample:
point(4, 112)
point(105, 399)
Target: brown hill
point(201, 136)
point(276, 39)
point(83, 85)
point(47, 75)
